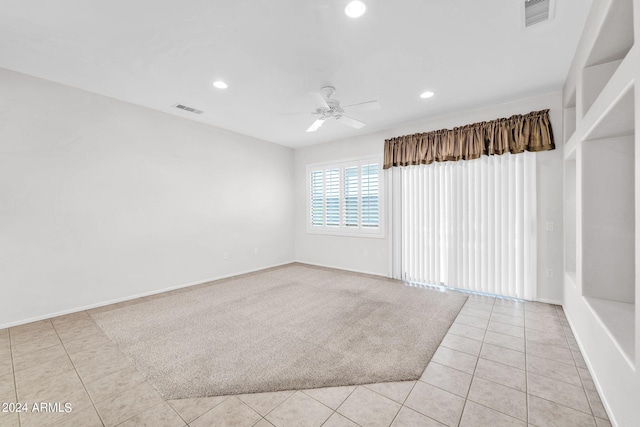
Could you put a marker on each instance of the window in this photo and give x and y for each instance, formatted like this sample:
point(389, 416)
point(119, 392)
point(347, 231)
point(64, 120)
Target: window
point(344, 198)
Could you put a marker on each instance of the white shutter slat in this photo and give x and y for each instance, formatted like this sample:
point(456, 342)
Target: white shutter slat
point(317, 198)
point(351, 197)
point(332, 197)
point(370, 195)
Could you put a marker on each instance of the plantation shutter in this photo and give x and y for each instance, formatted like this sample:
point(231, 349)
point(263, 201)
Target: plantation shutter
point(332, 196)
point(351, 197)
point(345, 198)
point(317, 198)
point(370, 195)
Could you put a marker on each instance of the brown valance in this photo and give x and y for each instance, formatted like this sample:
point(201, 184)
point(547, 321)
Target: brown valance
point(530, 132)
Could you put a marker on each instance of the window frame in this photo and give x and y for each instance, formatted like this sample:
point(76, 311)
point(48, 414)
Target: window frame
point(342, 229)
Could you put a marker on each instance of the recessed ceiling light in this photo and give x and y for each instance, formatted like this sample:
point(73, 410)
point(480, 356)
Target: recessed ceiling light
point(427, 94)
point(355, 9)
point(220, 84)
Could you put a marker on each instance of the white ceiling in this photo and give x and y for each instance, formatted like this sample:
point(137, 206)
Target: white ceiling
point(157, 53)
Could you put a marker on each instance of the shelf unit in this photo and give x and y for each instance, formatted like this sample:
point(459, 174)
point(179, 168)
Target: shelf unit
point(570, 218)
point(569, 118)
point(602, 203)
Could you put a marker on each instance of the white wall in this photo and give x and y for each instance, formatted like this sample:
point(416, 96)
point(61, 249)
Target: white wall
point(102, 200)
point(349, 252)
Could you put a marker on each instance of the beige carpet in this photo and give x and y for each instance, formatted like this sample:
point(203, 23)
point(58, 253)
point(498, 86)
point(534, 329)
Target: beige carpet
point(295, 327)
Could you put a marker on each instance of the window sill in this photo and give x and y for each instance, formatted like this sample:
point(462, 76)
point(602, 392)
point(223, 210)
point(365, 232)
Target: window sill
point(372, 235)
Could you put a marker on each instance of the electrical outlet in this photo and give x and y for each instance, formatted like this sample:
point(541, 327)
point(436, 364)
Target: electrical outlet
point(549, 272)
point(550, 226)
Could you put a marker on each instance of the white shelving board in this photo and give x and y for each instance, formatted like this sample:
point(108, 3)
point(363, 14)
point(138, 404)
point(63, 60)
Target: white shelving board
point(618, 318)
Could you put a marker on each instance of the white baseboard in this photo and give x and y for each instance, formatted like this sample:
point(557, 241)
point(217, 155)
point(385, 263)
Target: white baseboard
point(549, 301)
point(585, 356)
point(131, 297)
point(342, 269)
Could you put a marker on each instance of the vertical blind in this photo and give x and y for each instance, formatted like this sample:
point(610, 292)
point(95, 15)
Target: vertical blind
point(468, 225)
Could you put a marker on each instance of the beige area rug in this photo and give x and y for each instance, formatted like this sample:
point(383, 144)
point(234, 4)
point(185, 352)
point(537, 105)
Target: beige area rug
point(295, 327)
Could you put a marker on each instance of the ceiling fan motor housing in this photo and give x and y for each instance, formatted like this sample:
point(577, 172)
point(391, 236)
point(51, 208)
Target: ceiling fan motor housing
point(329, 108)
point(328, 91)
point(334, 109)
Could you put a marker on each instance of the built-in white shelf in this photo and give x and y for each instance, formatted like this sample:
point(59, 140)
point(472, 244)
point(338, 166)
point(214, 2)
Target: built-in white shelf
point(608, 218)
point(569, 123)
point(569, 118)
point(600, 282)
point(612, 44)
point(571, 277)
point(618, 318)
point(609, 114)
point(594, 79)
point(570, 216)
point(619, 119)
point(570, 147)
point(615, 36)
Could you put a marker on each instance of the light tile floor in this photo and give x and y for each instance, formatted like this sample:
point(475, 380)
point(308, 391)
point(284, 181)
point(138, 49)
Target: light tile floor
point(503, 363)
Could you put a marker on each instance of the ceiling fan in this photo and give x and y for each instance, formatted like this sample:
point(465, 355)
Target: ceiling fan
point(329, 108)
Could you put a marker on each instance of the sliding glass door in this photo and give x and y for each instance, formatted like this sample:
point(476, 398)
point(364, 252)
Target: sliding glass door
point(468, 224)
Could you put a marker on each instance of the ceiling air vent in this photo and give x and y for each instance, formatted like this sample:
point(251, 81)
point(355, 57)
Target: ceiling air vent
point(189, 109)
point(537, 11)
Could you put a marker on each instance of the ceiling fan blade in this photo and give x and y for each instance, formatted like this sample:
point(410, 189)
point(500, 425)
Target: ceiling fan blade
point(363, 106)
point(314, 127)
point(320, 101)
point(351, 122)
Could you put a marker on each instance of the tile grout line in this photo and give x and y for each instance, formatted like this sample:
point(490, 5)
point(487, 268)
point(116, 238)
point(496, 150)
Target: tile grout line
point(282, 403)
point(20, 422)
point(556, 403)
point(526, 367)
point(91, 398)
point(78, 375)
point(388, 398)
point(584, 390)
point(402, 405)
point(157, 404)
point(499, 411)
point(13, 372)
point(466, 399)
point(335, 411)
point(275, 407)
point(472, 375)
point(211, 409)
point(564, 406)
